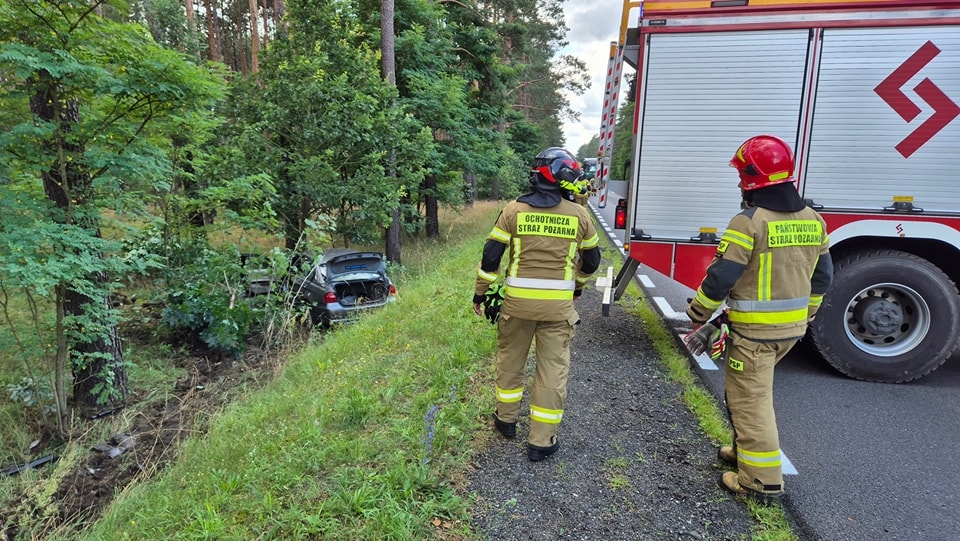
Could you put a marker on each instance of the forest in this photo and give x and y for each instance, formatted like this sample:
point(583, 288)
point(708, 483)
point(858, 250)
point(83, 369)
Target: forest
point(155, 141)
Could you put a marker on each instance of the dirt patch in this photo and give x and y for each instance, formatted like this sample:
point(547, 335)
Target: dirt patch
point(147, 446)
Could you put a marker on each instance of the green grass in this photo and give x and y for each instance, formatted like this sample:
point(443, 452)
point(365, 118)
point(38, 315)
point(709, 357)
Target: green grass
point(366, 433)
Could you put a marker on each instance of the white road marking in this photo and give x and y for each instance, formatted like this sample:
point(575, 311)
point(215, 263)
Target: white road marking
point(786, 466)
point(646, 281)
point(667, 310)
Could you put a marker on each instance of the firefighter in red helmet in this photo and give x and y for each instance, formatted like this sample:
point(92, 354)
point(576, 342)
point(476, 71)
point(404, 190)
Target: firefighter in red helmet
point(553, 250)
point(772, 268)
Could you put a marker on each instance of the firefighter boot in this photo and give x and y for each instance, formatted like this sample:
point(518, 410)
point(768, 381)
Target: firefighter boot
point(727, 455)
point(731, 482)
point(536, 453)
point(507, 430)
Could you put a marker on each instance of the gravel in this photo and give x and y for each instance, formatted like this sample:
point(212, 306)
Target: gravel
point(633, 462)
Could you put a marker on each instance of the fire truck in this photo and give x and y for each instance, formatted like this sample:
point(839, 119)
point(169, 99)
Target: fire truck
point(867, 93)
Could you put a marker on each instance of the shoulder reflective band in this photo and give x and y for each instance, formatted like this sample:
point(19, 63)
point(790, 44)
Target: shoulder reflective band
point(547, 225)
point(738, 238)
point(794, 233)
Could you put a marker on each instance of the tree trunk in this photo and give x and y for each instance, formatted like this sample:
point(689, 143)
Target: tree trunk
point(254, 37)
point(278, 11)
point(213, 31)
point(432, 207)
point(96, 360)
point(470, 187)
point(388, 68)
point(266, 26)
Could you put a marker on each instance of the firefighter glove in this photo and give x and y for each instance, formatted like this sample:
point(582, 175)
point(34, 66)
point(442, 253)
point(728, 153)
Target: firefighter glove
point(698, 341)
point(492, 300)
point(709, 338)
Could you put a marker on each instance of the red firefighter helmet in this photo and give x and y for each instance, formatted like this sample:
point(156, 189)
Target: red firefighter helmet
point(763, 160)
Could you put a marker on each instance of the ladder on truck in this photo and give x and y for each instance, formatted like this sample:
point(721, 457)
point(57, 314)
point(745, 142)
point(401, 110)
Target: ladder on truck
point(608, 122)
point(611, 98)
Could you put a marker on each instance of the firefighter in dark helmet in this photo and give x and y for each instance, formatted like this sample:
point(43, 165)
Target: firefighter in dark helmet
point(553, 249)
point(772, 268)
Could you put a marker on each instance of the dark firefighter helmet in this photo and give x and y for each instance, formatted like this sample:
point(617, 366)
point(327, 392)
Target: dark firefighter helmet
point(556, 168)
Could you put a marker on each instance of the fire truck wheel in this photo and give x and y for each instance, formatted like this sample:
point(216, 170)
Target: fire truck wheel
point(889, 316)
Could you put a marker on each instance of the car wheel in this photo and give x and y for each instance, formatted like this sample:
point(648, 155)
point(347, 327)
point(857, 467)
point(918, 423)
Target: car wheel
point(318, 318)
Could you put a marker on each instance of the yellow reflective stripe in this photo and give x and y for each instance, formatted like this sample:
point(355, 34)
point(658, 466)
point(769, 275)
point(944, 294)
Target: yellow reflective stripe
point(590, 243)
point(568, 262)
point(488, 276)
point(816, 300)
point(545, 415)
point(509, 395)
point(826, 239)
point(765, 277)
point(738, 238)
point(766, 459)
point(779, 176)
point(794, 233)
point(515, 260)
point(500, 235)
point(538, 294)
point(768, 318)
point(706, 301)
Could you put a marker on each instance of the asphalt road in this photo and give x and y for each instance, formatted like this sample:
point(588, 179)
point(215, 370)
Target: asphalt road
point(865, 461)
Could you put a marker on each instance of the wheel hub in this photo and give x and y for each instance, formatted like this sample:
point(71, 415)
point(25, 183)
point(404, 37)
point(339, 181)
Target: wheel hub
point(878, 316)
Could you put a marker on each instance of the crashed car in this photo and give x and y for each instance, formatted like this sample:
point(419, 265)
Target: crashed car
point(344, 284)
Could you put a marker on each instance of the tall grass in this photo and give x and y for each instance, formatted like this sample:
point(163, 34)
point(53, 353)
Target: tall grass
point(362, 436)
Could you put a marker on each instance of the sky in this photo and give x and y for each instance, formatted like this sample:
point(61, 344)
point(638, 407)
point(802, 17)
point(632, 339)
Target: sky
point(592, 25)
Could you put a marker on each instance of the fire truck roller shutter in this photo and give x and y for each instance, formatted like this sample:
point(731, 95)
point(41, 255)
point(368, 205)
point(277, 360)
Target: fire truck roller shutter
point(889, 316)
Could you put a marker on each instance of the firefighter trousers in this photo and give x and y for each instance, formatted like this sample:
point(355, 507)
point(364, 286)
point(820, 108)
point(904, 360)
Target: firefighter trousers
point(549, 390)
point(748, 386)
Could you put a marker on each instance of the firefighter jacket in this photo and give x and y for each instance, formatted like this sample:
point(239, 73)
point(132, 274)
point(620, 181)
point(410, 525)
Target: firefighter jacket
point(772, 268)
point(552, 253)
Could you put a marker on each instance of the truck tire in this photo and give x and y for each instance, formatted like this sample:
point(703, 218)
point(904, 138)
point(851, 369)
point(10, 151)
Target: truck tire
point(889, 317)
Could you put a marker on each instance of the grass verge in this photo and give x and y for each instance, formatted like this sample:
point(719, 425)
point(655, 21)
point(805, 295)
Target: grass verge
point(365, 434)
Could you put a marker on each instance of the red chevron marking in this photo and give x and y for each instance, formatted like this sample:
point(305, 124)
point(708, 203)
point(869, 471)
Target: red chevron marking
point(889, 89)
point(944, 111)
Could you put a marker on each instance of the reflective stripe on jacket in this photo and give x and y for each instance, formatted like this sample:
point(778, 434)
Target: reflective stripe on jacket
point(543, 268)
point(774, 255)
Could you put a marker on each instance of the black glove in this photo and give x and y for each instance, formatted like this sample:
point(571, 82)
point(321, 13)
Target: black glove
point(492, 300)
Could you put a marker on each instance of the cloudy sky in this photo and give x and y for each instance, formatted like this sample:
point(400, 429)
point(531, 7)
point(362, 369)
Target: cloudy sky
point(593, 25)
